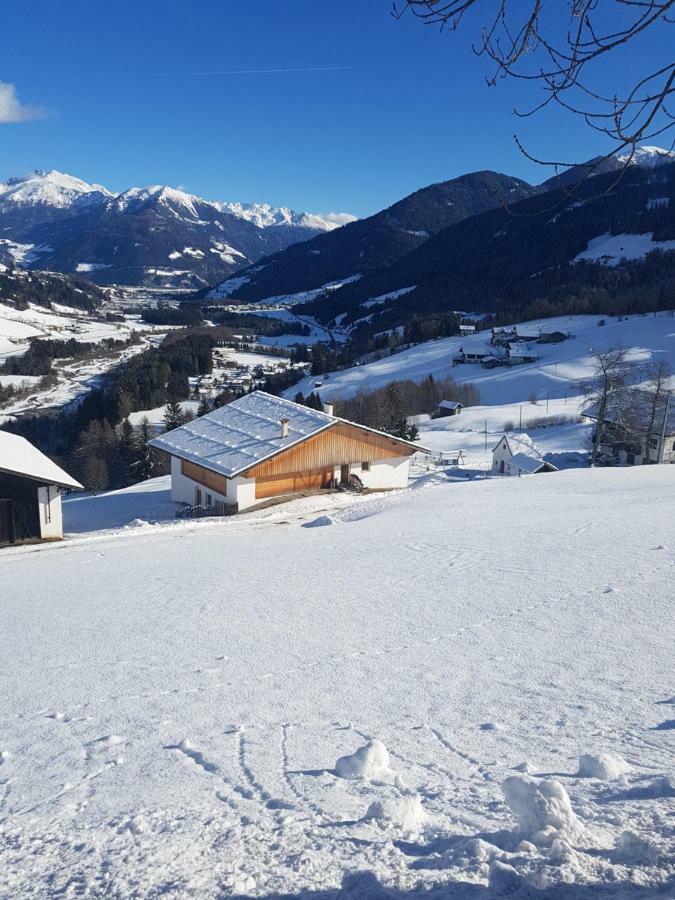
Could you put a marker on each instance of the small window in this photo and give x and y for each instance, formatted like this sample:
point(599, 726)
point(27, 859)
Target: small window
point(365, 466)
point(48, 507)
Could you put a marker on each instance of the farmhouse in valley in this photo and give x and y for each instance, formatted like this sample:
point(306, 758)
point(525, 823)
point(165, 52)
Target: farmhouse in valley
point(262, 446)
point(637, 428)
point(30, 492)
point(512, 456)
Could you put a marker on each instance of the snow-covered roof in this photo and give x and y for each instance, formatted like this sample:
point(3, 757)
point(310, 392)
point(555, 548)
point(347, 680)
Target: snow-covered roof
point(242, 434)
point(19, 457)
point(527, 463)
point(450, 404)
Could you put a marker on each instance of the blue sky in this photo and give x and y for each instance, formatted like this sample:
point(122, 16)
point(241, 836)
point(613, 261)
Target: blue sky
point(388, 107)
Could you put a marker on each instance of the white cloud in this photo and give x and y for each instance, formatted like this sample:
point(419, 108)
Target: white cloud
point(338, 218)
point(12, 109)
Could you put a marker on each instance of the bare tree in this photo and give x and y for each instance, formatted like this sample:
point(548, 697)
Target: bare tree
point(556, 46)
point(658, 374)
point(607, 385)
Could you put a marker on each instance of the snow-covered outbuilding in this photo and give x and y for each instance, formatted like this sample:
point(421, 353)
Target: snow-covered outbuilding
point(261, 446)
point(449, 408)
point(514, 457)
point(30, 492)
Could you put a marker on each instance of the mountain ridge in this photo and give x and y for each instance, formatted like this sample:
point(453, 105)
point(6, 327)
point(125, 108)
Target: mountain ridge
point(53, 220)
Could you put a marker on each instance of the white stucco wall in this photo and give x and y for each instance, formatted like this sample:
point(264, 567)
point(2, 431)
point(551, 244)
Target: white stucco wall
point(241, 491)
point(502, 452)
point(49, 509)
point(382, 475)
point(183, 489)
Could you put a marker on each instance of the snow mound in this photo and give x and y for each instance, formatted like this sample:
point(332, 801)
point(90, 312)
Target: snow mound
point(543, 811)
point(319, 522)
point(370, 761)
point(405, 812)
point(631, 849)
point(505, 881)
point(604, 766)
point(136, 523)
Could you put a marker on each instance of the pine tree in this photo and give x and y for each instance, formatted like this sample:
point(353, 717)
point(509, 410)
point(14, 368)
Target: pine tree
point(174, 416)
point(204, 407)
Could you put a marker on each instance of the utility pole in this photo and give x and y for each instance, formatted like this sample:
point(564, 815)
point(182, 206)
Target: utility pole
point(547, 393)
point(659, 452)
point(486, 434)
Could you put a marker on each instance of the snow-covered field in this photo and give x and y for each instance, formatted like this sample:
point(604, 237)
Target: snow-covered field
point(564, 440)
point(74, 379)
point(16, 326)
point(558, 370)
point(175, 698)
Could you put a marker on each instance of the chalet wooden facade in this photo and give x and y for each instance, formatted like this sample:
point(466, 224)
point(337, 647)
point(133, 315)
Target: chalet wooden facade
point(262, 446)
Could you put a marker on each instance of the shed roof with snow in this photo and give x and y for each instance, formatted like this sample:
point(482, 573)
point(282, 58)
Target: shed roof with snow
point(234, 438)
point(522, 455)
point(19, 457)
point(450, 404)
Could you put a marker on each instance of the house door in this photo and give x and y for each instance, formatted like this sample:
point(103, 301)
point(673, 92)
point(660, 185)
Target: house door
point(344, 474)
point(198, 496)
point(501, 467)
point(6, 522)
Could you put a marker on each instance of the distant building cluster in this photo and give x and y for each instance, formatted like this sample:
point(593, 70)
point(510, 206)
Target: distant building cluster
point(506, 347)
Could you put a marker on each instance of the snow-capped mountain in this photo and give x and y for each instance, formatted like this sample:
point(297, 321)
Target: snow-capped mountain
point(149, 235)
point(647, 157)
point(265, 216)
point(55, 189)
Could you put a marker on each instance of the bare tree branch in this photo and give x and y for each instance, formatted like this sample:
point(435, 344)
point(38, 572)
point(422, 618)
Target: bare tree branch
point(559, 55)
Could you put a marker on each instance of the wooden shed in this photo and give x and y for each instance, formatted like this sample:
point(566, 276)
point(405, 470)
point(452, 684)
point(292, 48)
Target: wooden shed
point(30, 492)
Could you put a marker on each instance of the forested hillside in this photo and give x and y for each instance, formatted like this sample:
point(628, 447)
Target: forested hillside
point(522, 258)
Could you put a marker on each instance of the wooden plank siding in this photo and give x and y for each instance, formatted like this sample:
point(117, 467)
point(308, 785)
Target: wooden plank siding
point(209, 479)
point(274, 485)
point(340, 444)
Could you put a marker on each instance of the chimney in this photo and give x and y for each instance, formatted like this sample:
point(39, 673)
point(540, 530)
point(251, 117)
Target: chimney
point(328, 408)
point(284, 427)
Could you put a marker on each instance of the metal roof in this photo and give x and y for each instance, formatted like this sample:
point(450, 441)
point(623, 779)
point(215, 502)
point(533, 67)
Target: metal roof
point(234, 438)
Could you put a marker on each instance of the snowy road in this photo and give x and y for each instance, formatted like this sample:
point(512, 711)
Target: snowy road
point(174, 699)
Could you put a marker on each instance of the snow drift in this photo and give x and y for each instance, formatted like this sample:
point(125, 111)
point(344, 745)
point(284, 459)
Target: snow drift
point(543, 811)
point(370, 762)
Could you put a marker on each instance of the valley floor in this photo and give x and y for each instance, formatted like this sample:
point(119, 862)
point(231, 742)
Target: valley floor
point(174, 697)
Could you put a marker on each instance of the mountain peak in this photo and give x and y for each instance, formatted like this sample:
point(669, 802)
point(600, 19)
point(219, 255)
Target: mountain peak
point(51, 188)
point(649, 157)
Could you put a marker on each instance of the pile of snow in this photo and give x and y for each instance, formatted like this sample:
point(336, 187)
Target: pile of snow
point(405, 812)
point(319, 522)
point(604, 766)
point(543, 811)
point(369, 762)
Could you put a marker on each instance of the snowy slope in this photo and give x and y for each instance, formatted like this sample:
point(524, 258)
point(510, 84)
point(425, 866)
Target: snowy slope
point(557, 373)
point(175, 698)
